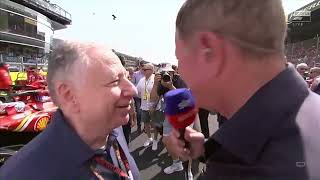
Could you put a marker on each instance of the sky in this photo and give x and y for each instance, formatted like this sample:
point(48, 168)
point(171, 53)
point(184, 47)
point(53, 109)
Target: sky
point(143, 28)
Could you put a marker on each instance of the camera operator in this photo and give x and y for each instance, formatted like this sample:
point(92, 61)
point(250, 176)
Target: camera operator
point(165, 80)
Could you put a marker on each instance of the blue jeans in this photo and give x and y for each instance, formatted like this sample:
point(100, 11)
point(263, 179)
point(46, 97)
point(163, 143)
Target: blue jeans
point(167, 127)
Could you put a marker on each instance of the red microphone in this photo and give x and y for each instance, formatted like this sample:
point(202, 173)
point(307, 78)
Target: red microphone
point(179, 109)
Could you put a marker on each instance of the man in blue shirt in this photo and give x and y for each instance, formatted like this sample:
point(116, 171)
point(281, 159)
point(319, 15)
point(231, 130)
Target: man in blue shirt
point(90, 86)
point(137, 76)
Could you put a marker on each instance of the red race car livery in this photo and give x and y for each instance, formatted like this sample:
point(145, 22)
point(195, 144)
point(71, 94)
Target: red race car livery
point(17, 117)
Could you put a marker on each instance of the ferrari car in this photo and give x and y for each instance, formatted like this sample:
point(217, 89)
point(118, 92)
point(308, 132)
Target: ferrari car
point(9, 91)
point(22, 120)
point(31, 117)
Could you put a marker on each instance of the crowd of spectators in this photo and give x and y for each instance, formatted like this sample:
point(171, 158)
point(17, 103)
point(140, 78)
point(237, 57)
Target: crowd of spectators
point(301, 54)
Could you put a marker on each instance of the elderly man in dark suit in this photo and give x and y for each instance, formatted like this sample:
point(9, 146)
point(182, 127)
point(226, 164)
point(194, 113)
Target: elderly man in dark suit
point(84, 141)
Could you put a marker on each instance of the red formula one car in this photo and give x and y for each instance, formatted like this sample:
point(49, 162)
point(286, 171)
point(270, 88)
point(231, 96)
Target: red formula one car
point(24, 110)
point(20, 122)
point(30, 111)
point(23, 115)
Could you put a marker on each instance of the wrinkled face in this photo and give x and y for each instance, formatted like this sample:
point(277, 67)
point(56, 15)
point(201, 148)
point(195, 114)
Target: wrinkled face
point(106, 94)
point(302, 70)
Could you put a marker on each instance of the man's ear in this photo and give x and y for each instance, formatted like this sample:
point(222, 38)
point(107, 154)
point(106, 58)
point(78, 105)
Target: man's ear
point(208, 53)
point(212, 51)
point(67, 97)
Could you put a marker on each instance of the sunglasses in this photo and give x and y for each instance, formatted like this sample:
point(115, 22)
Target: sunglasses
point(145, 69)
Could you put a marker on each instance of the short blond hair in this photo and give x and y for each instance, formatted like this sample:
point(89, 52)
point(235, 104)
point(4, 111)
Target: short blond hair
point(257, 26)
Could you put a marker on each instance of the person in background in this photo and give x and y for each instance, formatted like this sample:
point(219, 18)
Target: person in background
point(131, 72)
point(315, 80)
point(160, 87)
point(314, 72)
point(272, 121)
point(220, 120)
point(5, 78)
point(175, 68)
point(137, 76)
point(303, 69)
point(157, 117)
point(33, 75)
point(90, 87)
point(144, 88)
point(42, 73)
point(203, 117)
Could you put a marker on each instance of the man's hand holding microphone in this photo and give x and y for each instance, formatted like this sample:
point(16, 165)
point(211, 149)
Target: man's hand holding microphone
point(181, 112)
point(195, 141)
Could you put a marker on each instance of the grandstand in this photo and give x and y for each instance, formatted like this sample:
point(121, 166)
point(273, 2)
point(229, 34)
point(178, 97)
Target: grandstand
point(26, 31)
point(302, 43)
point(130, 60)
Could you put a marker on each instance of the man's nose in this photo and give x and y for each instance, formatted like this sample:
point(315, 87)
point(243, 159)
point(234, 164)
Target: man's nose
point(129, 90)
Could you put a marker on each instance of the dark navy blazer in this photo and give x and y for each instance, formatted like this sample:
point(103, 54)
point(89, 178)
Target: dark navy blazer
point(274, 136)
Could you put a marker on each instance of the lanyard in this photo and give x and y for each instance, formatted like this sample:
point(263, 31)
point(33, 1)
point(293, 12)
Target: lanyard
point(146, 82)
point(122, 160)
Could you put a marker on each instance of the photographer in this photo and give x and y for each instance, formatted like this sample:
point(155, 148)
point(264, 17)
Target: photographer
point(165, 80)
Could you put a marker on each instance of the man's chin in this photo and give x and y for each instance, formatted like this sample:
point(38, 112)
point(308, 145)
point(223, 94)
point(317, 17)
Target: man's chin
point(120, 121)
point(123, 120)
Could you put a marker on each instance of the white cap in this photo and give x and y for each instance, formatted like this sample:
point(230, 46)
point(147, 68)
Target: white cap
point(166, 67)
point(302, 65)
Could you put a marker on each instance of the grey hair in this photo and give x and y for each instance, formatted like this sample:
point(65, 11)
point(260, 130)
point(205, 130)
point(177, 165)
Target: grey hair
point(61, 62)
point(150, 65)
